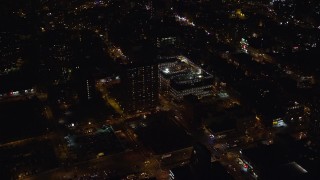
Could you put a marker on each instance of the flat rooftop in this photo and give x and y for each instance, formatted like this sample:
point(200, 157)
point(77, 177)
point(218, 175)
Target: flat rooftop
point(177, 68)
point(160, 133)
point(102, 140)
point(275, 162)
point(182, 71)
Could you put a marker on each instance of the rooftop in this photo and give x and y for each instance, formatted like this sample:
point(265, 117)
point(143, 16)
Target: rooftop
point(159, 133)
point(277, 162)
point(183, 71)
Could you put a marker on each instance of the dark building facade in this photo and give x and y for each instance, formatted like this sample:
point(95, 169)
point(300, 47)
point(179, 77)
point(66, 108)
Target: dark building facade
point(139, 87)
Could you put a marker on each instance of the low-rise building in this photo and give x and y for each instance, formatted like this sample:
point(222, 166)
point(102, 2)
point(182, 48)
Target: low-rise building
point(180, 77)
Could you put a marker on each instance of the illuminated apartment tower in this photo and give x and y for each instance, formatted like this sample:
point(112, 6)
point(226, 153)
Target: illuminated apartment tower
point(139, 84)
point(140, 87)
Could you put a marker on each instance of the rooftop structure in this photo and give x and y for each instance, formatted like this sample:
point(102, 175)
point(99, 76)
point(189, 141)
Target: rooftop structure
point(180, 77)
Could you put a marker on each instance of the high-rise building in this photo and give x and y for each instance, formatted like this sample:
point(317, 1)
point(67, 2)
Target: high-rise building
point(139, 84)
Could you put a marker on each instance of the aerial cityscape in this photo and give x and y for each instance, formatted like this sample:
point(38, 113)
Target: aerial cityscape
point(160, 89)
